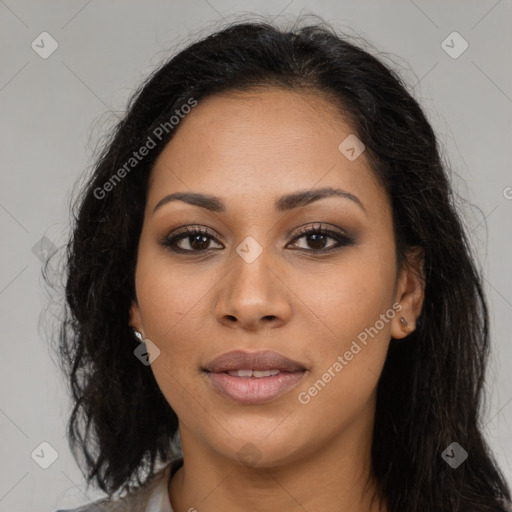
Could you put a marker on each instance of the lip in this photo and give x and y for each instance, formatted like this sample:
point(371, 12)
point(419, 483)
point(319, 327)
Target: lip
point(260, 360)
point(253, 390)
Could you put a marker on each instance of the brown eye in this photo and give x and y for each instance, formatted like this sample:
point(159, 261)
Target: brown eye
point(198, 240)
point(316, 239)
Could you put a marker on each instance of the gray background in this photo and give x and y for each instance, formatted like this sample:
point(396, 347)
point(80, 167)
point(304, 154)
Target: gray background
point(55, 110)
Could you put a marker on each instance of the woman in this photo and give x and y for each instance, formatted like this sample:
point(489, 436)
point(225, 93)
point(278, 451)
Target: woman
point(271, 300)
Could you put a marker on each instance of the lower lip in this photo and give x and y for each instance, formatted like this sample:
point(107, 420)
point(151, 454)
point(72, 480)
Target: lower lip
point(254, 390)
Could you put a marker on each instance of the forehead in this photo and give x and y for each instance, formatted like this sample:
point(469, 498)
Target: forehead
point(259, 145)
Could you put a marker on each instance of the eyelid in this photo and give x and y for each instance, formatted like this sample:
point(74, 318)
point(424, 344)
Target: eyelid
point(192, 229)
point(317, 226)
point(301, 230)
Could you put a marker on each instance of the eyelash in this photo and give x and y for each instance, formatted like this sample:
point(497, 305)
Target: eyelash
point(341, 239)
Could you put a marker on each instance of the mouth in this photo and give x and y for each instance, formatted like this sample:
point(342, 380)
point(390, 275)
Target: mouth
point(252, 378)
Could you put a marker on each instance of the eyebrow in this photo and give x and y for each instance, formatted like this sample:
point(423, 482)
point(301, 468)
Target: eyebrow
point(283, 204)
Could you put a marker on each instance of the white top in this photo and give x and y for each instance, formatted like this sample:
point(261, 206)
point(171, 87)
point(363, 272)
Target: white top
point(151, 498)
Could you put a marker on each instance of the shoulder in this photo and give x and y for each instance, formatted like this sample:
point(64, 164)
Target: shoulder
point(127, 503)
point(96, 506)
point(151, 497)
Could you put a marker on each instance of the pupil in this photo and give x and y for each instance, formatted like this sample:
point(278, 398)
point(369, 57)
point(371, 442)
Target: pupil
point(196, 237)
point(320, 241)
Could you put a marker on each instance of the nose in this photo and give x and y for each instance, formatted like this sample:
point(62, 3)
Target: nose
point(253, 296)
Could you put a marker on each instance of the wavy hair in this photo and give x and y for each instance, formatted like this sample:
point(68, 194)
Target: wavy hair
point(430, 391)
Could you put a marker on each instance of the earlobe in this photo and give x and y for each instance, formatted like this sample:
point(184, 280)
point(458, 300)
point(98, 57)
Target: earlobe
point(401, 327)
point(406, 327)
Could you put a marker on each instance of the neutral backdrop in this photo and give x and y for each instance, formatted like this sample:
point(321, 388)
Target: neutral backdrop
point(56, 109)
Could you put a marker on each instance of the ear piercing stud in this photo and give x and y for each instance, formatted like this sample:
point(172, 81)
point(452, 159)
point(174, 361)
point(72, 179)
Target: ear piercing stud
point(138, 335)
point(404, 322)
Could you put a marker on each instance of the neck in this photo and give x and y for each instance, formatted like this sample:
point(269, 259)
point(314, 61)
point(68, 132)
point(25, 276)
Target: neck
point(333, 477)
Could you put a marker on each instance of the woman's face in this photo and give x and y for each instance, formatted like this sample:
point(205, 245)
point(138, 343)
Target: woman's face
point(255, 283)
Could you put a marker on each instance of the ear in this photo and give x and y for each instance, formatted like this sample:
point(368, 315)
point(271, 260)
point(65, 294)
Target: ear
point(410, 293)
point(135, 317)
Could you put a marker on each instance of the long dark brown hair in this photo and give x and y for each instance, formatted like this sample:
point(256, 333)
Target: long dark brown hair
point(430, 390)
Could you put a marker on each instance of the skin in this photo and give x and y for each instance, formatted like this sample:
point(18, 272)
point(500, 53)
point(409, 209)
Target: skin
point(249, 149)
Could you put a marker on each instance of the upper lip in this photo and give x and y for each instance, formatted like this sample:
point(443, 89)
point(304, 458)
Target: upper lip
point(261, 360)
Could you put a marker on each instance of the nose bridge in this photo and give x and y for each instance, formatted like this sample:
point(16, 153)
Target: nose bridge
point(252, 272)
point(252, 292)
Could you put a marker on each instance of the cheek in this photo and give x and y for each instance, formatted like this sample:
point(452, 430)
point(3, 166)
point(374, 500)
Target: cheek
point(170, 294)
point(169, 306)
point(169, 302)
point(348, 302)
point(348, 297)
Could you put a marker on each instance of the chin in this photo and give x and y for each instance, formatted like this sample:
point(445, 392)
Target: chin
point(269, 452)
